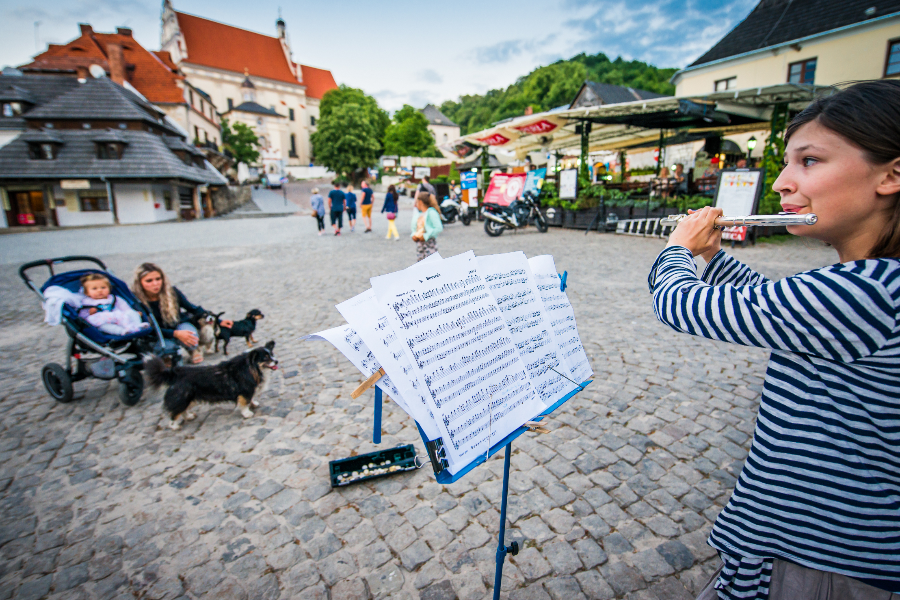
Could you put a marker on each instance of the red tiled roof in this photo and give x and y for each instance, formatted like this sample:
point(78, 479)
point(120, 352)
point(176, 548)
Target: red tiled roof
point(229, 48)
point(147, 72)
point(317, 81)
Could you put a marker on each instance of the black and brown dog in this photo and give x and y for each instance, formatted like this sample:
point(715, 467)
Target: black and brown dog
point(243, 328)
point(236, 380)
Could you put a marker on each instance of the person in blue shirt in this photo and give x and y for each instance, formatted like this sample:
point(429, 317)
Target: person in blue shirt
point(336, 203)
point(350, 201)
point(390, 207)
point(366, 205)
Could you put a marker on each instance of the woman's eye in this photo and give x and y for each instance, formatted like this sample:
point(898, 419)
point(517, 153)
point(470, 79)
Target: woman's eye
point(808, 161)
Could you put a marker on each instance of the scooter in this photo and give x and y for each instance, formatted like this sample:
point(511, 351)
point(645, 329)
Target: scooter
point(517, 215)
point(450, 209)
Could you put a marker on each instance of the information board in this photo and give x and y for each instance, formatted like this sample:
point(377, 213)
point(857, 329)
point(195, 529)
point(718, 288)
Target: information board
point(420, 172)
point(568, 183)
point(737, 191)
point(469, 180)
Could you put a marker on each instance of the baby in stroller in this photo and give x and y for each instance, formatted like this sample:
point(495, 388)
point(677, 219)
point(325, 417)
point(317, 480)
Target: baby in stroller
point(105, 311)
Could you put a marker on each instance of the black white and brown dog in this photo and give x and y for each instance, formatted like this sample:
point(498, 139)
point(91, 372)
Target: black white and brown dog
point(243, 328)
point(236, 380)
point(207, 325)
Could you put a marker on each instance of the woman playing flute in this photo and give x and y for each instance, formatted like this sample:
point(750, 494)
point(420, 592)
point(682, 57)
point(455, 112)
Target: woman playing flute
point(816, 511)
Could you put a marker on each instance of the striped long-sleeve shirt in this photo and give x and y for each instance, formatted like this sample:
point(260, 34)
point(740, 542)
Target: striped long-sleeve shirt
point(821, 485)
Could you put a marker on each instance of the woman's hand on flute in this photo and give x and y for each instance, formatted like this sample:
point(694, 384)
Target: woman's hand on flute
point(697, 232)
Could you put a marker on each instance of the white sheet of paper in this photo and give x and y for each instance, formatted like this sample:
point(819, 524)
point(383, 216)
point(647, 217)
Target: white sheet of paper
point(367, 317)
point(562, 316)
point(512, 284)
point(454, 333)
point(350, 344)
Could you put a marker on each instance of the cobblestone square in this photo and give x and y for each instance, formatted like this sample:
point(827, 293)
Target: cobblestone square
point(102, 501)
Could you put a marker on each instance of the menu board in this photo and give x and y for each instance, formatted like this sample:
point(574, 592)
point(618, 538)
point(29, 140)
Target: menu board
point(738, 190)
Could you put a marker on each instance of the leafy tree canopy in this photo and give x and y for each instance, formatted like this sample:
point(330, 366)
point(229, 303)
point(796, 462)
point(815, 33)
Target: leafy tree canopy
point(408, 134)
point(552, 86)
point(347, 139)
point(240, 142)
point(344, 95)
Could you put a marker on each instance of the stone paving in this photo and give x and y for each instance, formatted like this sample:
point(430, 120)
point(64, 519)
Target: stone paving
point(102, 501)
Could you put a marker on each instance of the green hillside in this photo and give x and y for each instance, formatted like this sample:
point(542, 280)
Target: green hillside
point(552, 86)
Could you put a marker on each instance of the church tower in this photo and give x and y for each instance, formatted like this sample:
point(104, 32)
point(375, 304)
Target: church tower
point(171, 38)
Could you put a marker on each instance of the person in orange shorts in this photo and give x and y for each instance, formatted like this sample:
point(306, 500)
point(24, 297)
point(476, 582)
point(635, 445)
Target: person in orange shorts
point(366, 205)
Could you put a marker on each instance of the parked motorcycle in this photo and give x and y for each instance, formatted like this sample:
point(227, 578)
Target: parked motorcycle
point(515, 216)
point(451, 209)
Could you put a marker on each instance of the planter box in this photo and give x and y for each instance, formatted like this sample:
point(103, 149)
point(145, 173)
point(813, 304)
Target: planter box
point(568, 219)
point(554, 216)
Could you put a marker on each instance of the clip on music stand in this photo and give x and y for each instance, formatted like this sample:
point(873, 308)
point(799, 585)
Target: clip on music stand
point(443, 476)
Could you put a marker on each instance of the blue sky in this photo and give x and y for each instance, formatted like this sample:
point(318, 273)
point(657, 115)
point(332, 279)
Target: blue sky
point(405, 51)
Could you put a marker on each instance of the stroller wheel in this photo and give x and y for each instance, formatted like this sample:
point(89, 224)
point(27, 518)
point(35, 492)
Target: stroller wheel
point(131, 387)
point(58, 382)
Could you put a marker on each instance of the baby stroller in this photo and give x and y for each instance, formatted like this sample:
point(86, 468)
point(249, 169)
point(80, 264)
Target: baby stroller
point(91, 352)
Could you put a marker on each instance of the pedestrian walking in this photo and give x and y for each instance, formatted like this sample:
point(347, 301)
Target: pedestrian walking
point(390, 208)
point(366, 205)
point(350, 202)
point(426, 225)
point(425, 186)
point(318, 207)
point(336, 204)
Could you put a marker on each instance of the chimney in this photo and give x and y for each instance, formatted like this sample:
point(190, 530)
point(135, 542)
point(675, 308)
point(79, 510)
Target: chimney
point(86, 29)
point(116, 60)
point(126, 31)
point(82, 72)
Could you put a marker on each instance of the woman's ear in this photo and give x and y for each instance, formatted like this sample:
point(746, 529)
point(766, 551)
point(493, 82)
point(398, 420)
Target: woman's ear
point(890, 183)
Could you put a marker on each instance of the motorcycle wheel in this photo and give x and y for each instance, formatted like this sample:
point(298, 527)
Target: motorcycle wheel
point(541, 223)
point(493, 228)
point(451, 218)
point(466, 218)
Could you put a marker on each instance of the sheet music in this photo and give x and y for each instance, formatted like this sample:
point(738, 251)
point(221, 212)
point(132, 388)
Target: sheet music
point(367, 317)
point(351, 345)
point(512, 285)
point(562, 316)
point(454, 333)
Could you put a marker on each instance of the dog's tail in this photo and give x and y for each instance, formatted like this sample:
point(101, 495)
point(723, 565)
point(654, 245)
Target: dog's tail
point(157, 372)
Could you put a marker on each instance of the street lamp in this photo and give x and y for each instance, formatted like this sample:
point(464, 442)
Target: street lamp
point(751, 144)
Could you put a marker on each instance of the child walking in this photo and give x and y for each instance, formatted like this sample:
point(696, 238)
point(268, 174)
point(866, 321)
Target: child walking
point(390, 207)
point(105, 311)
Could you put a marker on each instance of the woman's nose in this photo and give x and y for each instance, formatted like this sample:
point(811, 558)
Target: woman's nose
point(784, 184)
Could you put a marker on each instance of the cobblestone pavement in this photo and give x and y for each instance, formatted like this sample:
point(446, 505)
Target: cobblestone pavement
point(102, 501)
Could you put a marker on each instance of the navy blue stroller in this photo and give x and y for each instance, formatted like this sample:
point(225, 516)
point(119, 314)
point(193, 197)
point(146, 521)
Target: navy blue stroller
point(91, 352)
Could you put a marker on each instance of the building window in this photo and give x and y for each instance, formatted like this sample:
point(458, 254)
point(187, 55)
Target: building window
point(190, 97)
point(196, 133)
point(293, 146)
point(202, 108)
point(312, 120)
point(726, 84)
point(93, 201)
point(802, 72)
point(230, 103)
point(291, 114)
point(892, 65)
point(167, 200)
point(42, 151)
point(110, 150)
point(12, 109)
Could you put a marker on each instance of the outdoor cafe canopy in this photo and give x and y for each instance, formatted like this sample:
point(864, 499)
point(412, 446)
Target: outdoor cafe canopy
point(627, 124)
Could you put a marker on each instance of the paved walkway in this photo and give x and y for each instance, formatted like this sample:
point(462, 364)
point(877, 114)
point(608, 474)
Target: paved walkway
point(101, 501)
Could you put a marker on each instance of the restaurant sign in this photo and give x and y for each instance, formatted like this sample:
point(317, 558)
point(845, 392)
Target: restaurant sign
point(494, 140)
point(542, 126)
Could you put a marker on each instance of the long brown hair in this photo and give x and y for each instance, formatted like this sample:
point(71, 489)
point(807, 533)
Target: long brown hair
point(867, 115)
point(168, 301)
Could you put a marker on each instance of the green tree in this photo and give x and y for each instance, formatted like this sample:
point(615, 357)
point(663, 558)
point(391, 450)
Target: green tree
point(240, 142)
point(408, 134)
point(347, 140)
point(552, 86)
point(345, 95)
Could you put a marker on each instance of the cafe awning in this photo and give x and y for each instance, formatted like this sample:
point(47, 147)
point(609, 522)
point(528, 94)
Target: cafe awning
point(623, 125)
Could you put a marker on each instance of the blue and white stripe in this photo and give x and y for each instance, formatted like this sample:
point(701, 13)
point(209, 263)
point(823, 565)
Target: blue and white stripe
point(821, 485)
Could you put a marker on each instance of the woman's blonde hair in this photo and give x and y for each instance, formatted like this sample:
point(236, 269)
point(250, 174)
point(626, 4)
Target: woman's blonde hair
point(428, 199)
point(168, 301)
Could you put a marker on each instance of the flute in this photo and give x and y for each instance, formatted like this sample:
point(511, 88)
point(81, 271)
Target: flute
point(752, 220)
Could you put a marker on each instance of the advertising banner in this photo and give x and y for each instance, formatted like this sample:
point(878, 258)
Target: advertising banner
point(542, 126)
point(496, 139)
point(469, 180)
point(505, 189)
point(535, 180)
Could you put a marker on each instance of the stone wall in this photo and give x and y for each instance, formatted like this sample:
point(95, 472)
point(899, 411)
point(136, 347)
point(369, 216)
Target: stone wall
point(227, 198)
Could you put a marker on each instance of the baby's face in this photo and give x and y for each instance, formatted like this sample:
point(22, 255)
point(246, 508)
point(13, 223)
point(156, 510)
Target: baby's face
point(96, 290)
